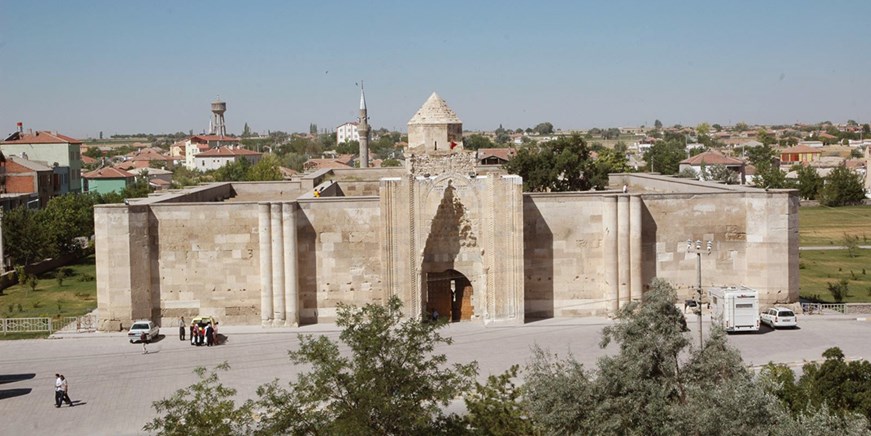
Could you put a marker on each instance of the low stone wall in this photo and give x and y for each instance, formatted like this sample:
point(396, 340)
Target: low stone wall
point(9, 278)
point(857, 308)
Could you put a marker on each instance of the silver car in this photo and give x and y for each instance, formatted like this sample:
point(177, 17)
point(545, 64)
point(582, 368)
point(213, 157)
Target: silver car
point(143, 326)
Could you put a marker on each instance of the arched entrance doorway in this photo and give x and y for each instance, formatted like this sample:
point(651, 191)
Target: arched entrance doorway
point(450, 293)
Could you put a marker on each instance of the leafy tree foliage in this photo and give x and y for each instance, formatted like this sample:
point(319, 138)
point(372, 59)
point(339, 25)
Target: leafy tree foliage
point(723, 174)
point(657, 124)
point(477, 141)
point(545, 128)
point(809, 183)
point(665, 155)
point(348, 147)
point(842, 187)
point(233, 171)
point(496, 407)
point(564, 164)
point(392, 383)
point(648, 387)
point(741, 126)
point(837, 388)
point(205, 407)
point(266, 169)
point(391, 163)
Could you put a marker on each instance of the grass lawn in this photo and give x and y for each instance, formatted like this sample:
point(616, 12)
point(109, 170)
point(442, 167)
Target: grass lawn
point(817, 267)
point(75, 297)
point(827, 225)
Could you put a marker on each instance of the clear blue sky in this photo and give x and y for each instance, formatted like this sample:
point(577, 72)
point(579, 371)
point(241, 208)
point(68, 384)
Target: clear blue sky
point(80, 67)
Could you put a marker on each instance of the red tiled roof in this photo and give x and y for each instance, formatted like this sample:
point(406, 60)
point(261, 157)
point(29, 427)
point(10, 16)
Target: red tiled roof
point(88, 160)
point(801, 149)
point(228, 152)
point(502, 153)
point(712, 157)
point(215, 138)
point(40, 137)
point(108, 173)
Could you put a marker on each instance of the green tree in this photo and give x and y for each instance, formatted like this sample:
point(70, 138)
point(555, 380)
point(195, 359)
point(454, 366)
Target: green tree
point(348, 147)
point(564, 164)
point(544, 128)
point(836, 390)
point(206, 407)
point(840, 290)
point(649, 386)
point(841, 187)
point(769, 176)
point(246, 131)
point(741, 126)
point(497, 408)
point(657, 124)
point(391, 163)
point(664, 156)
point(477, 141)
point(851, 243)
point(392, 382)
point(717, 127)
point(266, 169)
point(26, 238)
point(721, 173)
point(233, 171)
point(809, 182)
point(703, 129)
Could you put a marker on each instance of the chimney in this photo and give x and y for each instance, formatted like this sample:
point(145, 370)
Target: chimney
point(20, 127)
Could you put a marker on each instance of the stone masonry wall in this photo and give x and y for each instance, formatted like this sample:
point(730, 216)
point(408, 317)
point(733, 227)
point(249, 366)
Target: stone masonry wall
point(563, 255)
point(205, 261)
point(339, 261)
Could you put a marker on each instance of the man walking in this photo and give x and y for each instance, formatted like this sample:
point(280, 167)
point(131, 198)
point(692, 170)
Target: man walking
point(181, 329)
point(65, 389)
point(58, 390)
point(144, 339)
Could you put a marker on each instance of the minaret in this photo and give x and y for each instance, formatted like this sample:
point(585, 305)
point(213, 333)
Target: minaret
point(363, 130)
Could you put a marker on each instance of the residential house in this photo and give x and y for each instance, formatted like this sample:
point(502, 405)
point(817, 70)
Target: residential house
point(215, 158)
point(799, 153)
point(495, 156)
point(106, 179)
point(201, 143)
point(347, 132)
point(60, 152)
point(702, 162)
point(27, 177)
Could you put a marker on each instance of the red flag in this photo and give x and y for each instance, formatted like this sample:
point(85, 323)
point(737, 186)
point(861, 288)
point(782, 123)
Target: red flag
point(453, 144)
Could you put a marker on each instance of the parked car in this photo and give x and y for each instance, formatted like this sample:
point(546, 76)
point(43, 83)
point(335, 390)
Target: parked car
point(779, 317)
point(143, 326)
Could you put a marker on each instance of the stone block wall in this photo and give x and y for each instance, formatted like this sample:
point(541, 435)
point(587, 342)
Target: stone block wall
point(339, 261)
point(205, 261)
point(563, 255)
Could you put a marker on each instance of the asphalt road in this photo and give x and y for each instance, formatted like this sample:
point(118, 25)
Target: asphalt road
point(113, 383)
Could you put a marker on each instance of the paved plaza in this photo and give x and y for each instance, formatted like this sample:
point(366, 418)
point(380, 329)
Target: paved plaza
point(114, 384)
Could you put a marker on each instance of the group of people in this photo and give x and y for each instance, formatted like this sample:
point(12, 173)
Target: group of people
point(201, 334)
point(61, 391)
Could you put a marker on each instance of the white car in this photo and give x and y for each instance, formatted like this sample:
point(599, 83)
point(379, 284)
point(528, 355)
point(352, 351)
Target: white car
point(143, 326)
point(779, 317)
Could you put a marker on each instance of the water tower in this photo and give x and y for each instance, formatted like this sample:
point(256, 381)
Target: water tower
point(218, 126)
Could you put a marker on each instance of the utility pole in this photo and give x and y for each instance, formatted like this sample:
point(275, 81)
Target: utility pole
point(697, 249)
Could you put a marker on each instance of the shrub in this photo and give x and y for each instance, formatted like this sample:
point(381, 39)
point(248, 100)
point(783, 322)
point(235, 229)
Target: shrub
point(839, 290)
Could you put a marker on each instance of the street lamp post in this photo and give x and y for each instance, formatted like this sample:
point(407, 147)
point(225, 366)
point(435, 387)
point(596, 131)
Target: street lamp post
point(697, 249)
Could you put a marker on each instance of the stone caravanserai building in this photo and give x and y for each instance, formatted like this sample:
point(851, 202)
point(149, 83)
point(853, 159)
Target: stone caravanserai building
point(441, 233)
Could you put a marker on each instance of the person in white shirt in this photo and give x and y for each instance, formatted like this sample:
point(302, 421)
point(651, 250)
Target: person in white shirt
point(58, 391)
point(65, 390)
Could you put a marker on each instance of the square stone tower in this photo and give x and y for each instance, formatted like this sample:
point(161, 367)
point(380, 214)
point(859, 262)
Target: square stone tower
point(453, 240)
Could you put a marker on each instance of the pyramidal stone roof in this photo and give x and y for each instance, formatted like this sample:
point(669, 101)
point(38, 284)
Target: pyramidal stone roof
point(435, 111)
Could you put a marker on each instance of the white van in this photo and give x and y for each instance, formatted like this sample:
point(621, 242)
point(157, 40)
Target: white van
point(736, 308)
